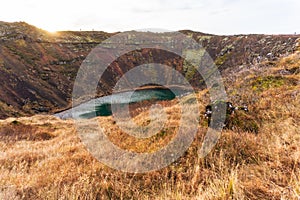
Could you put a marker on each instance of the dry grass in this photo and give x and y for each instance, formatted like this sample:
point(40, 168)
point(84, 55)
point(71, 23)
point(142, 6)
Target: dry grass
point(42, 157)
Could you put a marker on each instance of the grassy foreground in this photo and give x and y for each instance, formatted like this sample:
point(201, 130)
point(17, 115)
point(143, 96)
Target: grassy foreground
point(41, 157)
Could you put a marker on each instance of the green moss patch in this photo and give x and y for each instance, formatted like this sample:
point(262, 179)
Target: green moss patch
point(265, 83)
point(221, 60)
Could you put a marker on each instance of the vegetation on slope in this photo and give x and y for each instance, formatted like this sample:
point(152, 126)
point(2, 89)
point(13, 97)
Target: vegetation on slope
point(48, 161)
point(38, 69)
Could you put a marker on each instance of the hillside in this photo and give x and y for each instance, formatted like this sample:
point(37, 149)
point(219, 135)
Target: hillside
point(42, 156)
point(38, 69)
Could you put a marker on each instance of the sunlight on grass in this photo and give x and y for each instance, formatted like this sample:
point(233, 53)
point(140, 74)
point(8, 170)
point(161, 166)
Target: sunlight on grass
point(46, 159)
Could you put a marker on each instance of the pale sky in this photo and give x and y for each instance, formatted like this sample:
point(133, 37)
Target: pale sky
point(209, 16)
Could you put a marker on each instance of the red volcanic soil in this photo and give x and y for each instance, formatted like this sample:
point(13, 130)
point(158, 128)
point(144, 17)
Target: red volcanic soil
point(38, 69)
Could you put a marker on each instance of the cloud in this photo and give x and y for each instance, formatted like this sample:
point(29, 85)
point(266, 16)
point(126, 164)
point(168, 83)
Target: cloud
point(218, 16)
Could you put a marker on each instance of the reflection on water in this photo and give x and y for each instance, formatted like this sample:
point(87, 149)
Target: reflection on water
point(102, 106)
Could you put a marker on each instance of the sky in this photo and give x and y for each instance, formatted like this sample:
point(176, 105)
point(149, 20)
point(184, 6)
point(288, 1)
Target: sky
point(223, 17)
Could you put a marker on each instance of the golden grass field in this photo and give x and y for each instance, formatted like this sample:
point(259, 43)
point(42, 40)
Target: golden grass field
point(42, 157)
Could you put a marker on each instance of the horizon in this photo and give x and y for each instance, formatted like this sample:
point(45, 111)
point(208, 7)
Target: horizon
point(155, 31)
point(221, 17)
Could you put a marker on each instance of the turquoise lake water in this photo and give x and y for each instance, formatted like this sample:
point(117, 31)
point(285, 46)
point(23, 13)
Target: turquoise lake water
point(102, 106)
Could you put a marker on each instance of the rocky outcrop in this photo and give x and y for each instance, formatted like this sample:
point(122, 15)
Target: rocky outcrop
point(38, 69)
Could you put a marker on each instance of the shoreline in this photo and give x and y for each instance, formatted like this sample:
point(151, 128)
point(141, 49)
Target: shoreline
point(147, 87)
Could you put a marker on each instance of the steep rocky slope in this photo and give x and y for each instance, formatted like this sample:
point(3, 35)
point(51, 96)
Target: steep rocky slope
point(38, 69)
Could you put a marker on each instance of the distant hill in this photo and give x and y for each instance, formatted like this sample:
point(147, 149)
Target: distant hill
point(38, 68)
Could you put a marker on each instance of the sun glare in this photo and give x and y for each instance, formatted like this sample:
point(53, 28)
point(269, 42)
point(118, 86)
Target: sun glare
point(52, 29)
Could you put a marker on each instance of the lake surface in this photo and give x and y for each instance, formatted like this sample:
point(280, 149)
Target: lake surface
point(102, 106)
